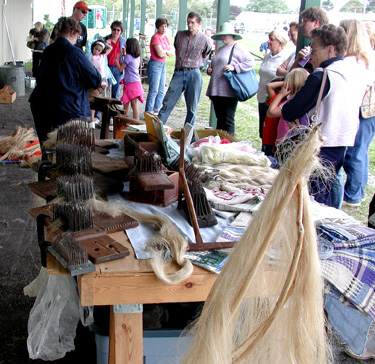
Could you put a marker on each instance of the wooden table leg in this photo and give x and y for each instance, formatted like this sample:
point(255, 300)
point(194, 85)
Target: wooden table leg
point(105, 123)
point(126, 335)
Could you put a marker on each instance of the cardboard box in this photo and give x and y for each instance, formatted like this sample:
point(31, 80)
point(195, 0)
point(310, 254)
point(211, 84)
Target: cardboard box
point(7, 95)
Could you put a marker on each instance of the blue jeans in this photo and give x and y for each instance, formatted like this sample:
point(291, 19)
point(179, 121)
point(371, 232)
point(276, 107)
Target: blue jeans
point(348, 322)
point(356, 161)
point(320, 187)
point(337, 190)
point(156, 85)
point(189, 82)
point(116, 88)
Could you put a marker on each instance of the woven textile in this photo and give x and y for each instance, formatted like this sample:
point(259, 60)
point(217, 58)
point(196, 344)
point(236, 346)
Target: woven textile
point(351, 268)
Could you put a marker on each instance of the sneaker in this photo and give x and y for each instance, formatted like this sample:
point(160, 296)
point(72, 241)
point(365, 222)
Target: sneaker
point(351, 204)
point(92, 125)
point(366, 356)
point(97, 121)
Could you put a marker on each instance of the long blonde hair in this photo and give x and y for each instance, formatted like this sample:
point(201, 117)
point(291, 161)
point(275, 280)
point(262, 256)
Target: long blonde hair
point(296, 79)
point(371, 33)
point(359, 41)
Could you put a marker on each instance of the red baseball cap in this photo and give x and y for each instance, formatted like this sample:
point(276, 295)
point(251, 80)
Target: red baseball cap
point(82, 5)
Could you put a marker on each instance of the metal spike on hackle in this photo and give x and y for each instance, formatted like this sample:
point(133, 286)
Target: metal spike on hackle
point(75, 188)
point(71, 254)
point(76, 132)
point(73, 216)
point(73, 159)
point(147, 162)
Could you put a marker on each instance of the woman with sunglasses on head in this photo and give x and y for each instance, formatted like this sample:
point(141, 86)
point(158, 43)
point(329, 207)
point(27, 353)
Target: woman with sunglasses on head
point(118, 44)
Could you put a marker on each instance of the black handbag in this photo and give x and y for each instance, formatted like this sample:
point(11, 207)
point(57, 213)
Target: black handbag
point(245, 84)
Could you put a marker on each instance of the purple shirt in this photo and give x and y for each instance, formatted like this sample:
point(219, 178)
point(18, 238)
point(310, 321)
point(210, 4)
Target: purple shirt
point(131, 69)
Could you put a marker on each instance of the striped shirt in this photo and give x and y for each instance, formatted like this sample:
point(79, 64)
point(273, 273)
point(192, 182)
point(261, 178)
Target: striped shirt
point(191, 51)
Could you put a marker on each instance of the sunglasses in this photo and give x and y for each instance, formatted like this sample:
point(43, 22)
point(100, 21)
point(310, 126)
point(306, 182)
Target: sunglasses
point(116, 30)
point(83, 11)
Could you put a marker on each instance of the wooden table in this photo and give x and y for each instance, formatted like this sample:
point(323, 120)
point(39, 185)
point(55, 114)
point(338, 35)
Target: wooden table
point(126, 284)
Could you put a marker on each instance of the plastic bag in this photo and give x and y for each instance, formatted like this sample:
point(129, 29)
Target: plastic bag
point(33, 288)
point(53, 319)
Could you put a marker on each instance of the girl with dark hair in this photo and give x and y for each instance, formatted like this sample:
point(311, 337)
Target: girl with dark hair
point(133, 89)
point(63, 80)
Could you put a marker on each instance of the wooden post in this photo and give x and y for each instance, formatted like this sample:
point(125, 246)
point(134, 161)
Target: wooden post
point(125, 335)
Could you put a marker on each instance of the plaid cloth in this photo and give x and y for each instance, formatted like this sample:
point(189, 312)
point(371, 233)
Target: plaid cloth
point(351, 268)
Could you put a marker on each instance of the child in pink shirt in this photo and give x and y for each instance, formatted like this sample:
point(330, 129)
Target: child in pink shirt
point(99, 51)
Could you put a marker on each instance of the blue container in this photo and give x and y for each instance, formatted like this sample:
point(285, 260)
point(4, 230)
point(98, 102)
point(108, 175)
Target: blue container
point(159, 347)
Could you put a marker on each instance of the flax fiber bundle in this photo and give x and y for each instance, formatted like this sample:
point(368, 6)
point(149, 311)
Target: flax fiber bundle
point(14, 146)
point(165, 247)
point(267, 303)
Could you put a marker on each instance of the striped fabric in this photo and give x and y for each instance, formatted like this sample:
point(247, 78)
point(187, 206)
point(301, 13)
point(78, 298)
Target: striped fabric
point(351, 268)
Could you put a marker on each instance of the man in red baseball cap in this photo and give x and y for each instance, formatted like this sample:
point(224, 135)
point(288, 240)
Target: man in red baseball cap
point(82, 6)
point(80, 10)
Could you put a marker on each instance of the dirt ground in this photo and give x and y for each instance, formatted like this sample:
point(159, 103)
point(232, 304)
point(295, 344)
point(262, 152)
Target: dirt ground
point(20, 256)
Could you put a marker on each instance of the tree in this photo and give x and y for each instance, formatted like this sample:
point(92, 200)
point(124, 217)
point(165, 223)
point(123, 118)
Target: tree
point(353, 6)
point(371, 7)
point(235, 10)
point(327, 4)
point(48, 24)
point(268, 6)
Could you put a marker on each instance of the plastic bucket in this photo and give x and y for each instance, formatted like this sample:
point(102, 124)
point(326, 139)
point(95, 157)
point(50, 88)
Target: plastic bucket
point(159, 346)
point(30, 82)
point(102, 349)
point(13, 76)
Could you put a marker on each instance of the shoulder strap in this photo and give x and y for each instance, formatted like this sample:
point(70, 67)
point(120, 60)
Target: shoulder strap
point(231, 53)
point(314, 117)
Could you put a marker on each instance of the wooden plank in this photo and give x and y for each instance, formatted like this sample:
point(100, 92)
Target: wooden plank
point(106, 143)
point(45, 189)
point(125, 338)
point(155, 181)
point(104, 164)
point(104, 248)
point(101, 150)
point(54, 267)
point(145, 288)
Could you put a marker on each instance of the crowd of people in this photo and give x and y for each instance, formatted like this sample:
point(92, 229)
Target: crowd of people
point(289, 84)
